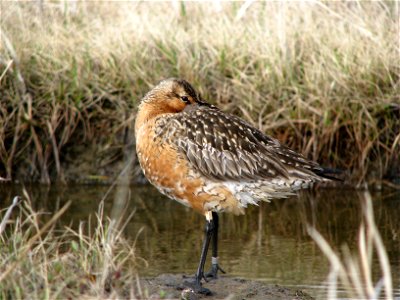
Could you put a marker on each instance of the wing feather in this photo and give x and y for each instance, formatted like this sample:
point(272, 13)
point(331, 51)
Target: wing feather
point(222, 147)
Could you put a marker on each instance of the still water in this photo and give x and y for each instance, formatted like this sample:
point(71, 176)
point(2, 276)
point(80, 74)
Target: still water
point(269, 243)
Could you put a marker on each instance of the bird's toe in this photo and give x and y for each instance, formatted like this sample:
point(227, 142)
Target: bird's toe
point(213, 273)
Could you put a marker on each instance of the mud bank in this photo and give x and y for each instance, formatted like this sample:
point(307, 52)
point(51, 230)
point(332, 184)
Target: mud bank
point(169, 286)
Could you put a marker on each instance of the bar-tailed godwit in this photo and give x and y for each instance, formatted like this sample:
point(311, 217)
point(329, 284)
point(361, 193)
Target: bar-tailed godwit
point(212, 161)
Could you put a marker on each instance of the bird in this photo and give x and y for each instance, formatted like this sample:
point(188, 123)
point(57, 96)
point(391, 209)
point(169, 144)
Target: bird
point(212, 161)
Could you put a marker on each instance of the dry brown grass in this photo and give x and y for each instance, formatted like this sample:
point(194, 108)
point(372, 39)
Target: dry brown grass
point(39, 259)
point(321, 76)
point(353, 272)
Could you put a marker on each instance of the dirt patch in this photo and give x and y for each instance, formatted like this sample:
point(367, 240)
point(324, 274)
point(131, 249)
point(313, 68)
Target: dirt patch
point(170, 286)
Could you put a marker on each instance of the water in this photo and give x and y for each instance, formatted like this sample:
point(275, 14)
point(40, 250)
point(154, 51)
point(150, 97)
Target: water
point(268, 243)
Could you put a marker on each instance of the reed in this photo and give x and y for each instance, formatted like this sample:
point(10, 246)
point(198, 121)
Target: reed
point(353, 272)
point(41, 259)
point(321, 76)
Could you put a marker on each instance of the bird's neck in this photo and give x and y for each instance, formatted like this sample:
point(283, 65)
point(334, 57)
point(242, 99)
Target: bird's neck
point(147, 114)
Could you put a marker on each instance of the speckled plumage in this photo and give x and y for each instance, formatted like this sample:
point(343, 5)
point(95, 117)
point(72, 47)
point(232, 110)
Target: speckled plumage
point(210, 160)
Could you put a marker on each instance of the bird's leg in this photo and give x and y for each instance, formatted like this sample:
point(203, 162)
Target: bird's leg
point(209, 229)
point(214, 259)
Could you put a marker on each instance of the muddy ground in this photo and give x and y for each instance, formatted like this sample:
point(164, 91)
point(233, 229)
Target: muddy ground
point(170, 286)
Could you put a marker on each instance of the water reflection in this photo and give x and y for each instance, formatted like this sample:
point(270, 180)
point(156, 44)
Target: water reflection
point(268, 243)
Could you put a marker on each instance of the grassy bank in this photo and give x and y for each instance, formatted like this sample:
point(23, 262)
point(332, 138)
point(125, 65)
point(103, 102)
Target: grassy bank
point(322, 77)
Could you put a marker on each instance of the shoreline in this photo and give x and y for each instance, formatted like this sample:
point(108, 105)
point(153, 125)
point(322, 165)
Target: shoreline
point(169, 286)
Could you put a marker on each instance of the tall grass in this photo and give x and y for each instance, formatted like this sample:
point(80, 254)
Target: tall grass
point(321, 76)
point(41, 260)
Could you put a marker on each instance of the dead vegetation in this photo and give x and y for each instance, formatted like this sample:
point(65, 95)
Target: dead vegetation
point(353, 271)
point(320, 76)
point(40, 258)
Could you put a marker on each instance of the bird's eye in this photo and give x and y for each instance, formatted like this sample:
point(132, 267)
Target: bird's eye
point(185, 99)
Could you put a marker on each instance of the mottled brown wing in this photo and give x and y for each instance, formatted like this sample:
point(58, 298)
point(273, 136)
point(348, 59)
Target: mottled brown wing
point(223, 146)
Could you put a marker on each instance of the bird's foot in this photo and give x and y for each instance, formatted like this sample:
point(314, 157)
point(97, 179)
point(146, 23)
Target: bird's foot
point(213, 273)
point(197, 286)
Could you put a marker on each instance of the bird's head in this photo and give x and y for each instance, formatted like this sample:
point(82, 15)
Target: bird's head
point(171, 96)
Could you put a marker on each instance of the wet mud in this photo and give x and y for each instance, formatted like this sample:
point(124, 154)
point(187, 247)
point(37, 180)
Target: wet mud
point(170, 286)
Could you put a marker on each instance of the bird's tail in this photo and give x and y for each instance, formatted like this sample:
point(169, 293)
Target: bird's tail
point(330, 173)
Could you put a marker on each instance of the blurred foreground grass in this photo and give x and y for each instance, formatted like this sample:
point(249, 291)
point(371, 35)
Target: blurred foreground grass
point(323, 77)
point(43, 260)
